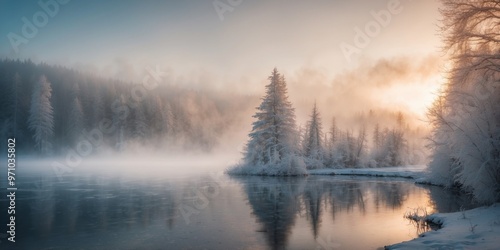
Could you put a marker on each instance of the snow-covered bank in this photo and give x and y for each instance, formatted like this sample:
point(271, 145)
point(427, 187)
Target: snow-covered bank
point(472, 229)
point(290, 166)
point(413, 172)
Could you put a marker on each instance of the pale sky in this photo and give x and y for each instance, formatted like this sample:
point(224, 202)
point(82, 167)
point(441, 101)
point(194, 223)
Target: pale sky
point(121, 38)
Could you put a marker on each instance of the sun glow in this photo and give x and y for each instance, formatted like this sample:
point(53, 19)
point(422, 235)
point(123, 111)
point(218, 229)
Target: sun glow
point(415, 97)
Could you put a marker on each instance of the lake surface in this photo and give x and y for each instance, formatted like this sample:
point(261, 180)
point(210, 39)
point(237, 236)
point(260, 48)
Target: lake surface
point(215, 211)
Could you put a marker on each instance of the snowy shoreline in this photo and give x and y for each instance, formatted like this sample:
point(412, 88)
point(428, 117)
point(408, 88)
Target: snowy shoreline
point(411, 172)
point(471, 229)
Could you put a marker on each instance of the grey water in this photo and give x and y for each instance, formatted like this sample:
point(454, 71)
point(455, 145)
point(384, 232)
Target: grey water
point(216, 211)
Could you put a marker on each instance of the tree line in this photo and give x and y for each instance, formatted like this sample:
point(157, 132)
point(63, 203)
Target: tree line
point(277, 146)
point(49, 108)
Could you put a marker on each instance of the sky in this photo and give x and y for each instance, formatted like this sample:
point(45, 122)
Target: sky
point(234, 44)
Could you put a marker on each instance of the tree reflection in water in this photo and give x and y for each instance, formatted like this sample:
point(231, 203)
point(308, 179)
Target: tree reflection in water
point(275, 205)
point(276, 202)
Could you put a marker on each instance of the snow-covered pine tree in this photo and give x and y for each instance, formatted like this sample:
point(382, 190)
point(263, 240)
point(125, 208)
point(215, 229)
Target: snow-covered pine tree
point(330, 144)
point(272, 133)
point(41, 117)
point(313, 144)
point(376, 157)
point(273, 145)
point(360, 146)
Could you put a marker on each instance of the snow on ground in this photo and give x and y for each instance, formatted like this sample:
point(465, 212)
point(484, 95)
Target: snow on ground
point(472, 229)
point(413, 172)
point(289, 166)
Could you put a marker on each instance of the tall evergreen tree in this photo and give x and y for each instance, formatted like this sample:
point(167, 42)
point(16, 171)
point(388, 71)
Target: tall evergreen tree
point(313, 144)
point(330, 144)
point(274, 132)
point(41, 119)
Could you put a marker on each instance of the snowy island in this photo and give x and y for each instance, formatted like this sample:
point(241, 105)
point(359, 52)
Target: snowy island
point(277, 147)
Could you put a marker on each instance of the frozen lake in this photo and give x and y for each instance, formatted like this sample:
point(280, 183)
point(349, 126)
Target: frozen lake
point(215, 211)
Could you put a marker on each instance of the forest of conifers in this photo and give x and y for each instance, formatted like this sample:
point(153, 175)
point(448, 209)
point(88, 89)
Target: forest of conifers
point(158, 113)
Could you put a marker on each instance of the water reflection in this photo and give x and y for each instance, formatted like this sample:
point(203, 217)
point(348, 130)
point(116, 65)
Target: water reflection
point(277, 203)
point(449, 200)
point(391, 195)
point(318, 212)
point(52, 211)
point(312, 198)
